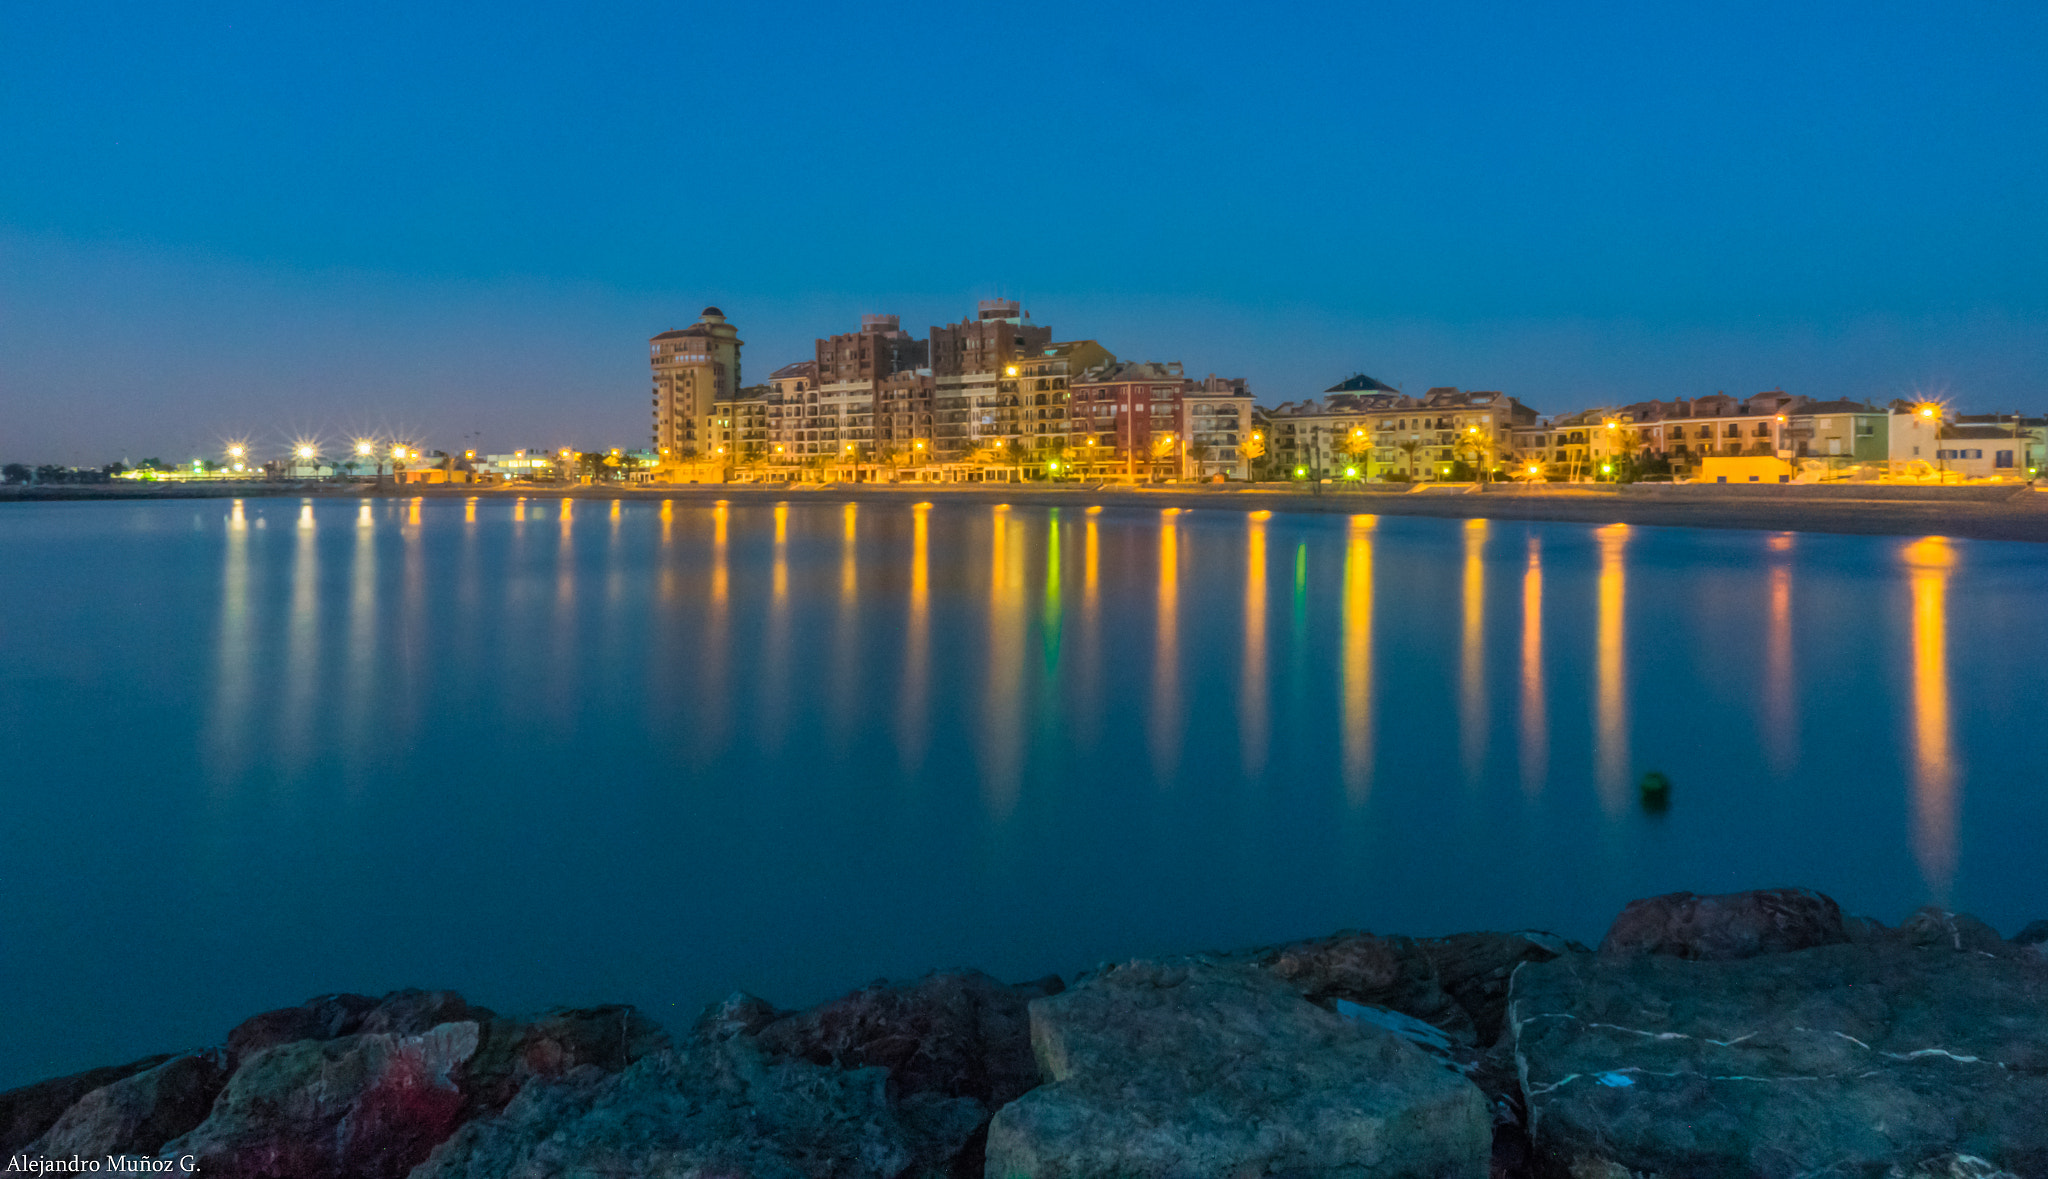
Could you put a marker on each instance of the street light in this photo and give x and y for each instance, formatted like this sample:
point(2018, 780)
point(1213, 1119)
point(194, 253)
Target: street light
point(364, 447)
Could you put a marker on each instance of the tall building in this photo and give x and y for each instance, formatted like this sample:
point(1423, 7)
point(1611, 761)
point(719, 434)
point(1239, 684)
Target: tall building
point(1041, 422)
point(840, 421)
point(968, 361)
point(694, 368)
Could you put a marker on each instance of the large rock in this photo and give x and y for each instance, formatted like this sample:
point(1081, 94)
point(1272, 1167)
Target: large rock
point(322, 1017)
point(1381, 971)
point(1475, 968)
point(1725, 926)
point(1839, 1060)
point(956, 1034)
point(512, 1052)
point(28, 1112)
point(1193, 1068)
point(366, 1106)
point(139, 1113)
point(711, 1108)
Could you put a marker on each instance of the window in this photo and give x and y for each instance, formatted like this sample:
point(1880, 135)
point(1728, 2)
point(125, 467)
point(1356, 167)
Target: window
point(2002, 459)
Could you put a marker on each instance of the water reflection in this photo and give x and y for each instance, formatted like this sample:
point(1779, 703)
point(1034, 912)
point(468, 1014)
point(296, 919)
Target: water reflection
point(846, 631)
point(302, 641)
point(1780, 705)
point(1002, 724)
point(1472, 703)
point(1535, 713)
point(1166, 724)
point(359, 659)
point(769, 711)
point(911, 722)
point(234, 670)
point(1357, 739)
point(1929, 564)
point(1610, 742)
point(712, 704)
point(1251, 688)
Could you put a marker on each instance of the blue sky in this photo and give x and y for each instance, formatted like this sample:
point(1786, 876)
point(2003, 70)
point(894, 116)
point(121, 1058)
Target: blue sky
point(267, 220)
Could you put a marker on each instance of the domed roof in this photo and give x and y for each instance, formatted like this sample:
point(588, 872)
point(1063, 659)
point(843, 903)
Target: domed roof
point(711, 311)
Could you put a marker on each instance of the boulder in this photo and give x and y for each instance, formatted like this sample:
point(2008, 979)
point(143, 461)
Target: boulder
point(955, 1034)
point(1726, 926)
point(709, 1108)
point(412, 1011)
point(139, 1113)
point(1392, 972)
point(738, 1014)
point(322, 1017)
point(1840, 1059)
point(1474, 969)
point(512, 1052)
point(26, 1113)
point(2035, 933)
point(1193, 1067)
point(364, 1106)
point(1932, 925)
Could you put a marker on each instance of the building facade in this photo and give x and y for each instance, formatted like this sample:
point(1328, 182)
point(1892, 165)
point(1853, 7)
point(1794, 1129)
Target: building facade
point(694, 368)
point(969, 361)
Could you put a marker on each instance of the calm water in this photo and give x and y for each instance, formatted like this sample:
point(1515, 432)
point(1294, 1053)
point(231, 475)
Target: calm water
point(552, 752)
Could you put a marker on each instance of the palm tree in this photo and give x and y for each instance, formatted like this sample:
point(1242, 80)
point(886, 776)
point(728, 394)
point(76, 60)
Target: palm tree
point(1409, 448)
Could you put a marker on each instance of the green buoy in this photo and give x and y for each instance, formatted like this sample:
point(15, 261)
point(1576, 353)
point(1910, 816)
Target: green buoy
point(1656, 791)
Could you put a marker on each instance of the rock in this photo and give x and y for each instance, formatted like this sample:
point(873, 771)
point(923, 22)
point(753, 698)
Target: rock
point(139, 1113)
point(1198, 1068)
point(1842, 1059)
point(411, 1012)
point(1931, 925)
point(2036, 933)
point(1474, 969)
point(511, 1052)
point(955, 1034)
point(1726, 926)
point(710, 1108)
point(1392, 972)
point(28, 1112)
point(322, 1017)
point(364, 1106)
point(738, 1014)
point(1951, 1166)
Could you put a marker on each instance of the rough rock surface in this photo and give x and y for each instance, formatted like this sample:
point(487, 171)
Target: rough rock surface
point(366, 1106)
point(1726, 926)
point(1840, 1059)
point(956, 1034)
point(322, 1017)
point(138, 1114)
point(1475, 969)
point(711, 1108)
point(26, 1113)
point(1391, 972)
point(1197, 1068)
point(512, 1052)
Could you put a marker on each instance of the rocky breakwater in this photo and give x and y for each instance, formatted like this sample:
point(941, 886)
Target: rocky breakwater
point(1752, 1034)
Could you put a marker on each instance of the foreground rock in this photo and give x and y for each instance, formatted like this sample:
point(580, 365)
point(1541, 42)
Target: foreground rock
point(28, 1112)
point(1191, 1068)
point(711, 1108)
point(366, 1106)
point(1838, 1059)
point(137, 1114)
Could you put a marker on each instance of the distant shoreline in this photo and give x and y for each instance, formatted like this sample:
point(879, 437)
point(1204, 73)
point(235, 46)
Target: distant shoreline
point(1978, 512)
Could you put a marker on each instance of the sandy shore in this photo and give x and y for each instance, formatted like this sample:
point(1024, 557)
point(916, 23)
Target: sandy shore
point(2009, 512)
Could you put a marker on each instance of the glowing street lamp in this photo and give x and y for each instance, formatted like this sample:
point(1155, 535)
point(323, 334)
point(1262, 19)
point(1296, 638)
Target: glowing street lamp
point(364, 447)
point(237, 450)
point(305, 452)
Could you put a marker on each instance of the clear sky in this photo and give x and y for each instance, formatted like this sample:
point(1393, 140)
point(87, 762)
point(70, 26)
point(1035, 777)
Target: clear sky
point(271, 219)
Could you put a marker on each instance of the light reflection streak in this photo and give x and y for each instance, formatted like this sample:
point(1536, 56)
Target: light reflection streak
point(359, 663)
point(1167, 723)
point(846, 633)
point(912, 718)
point(1535, 710)
point(469, 510)
point(1002, 727)
point(1252, 691)
point(712, 716)
point(1472, 702)
point(234, 653)
point(302, 638)
point(770, 713)
point(1780, 705)
point(1087, 711)
point(1929, 563)
point(1357, 735)
point(1611, 751)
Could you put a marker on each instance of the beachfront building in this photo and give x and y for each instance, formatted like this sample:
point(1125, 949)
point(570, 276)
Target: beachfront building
point(739, 426)
point(1683, 431)
point(1215, 422)
point(787, 387)
point(968, 362)
point(1034, 418)
point(1126, 416)
point(1363, 429)
point(694, 368)
point(2028, 437)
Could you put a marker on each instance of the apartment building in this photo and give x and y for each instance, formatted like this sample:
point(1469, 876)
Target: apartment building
point(1125, 420)
point(739, 427)
point(1215, 422)
point(694, 368)
point(1364, 429)
point(969, 361)
point(1035, 398)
